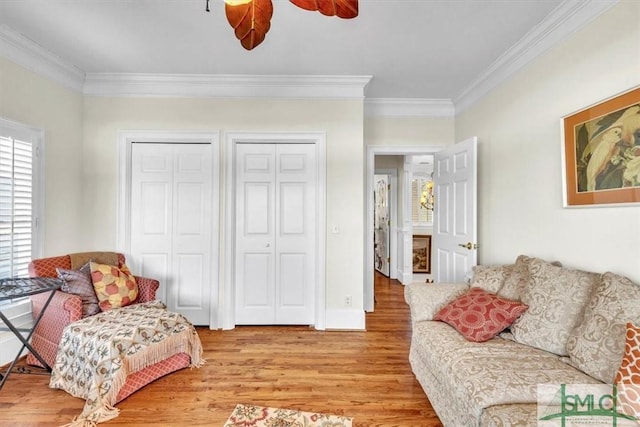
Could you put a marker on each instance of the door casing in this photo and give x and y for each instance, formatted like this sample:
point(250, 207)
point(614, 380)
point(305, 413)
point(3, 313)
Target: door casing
point(227, 300)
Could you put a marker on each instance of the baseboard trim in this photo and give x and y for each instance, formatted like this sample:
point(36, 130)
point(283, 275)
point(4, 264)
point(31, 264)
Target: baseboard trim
point(345, 319)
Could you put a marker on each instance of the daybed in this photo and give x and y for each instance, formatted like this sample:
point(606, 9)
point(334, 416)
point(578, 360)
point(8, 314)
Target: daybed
point(566, 327)
point(66, 308)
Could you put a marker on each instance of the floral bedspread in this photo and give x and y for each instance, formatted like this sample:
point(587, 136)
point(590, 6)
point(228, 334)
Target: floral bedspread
point(97, 353)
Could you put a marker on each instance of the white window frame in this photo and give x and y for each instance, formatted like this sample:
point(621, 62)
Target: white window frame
point(35, 136)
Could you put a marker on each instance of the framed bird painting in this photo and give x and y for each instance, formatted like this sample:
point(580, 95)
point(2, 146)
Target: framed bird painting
point(601, 156)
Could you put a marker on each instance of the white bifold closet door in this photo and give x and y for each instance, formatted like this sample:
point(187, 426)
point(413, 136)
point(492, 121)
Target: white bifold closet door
point(171, 205)
point(275, 259)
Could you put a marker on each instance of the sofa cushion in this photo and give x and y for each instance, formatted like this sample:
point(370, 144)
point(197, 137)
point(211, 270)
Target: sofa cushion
point(480, 315)
point(597, 344)
point(78, 282)
point(515, 283)
point(494, 372)
point(628, 375)
point(556, 298)
point(518, 279)
point(490, 277)
point(80, 258)
point(115, 287)
point(515, 414)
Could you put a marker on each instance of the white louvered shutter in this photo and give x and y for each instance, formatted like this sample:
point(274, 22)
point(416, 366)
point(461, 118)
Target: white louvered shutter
point(16, 206)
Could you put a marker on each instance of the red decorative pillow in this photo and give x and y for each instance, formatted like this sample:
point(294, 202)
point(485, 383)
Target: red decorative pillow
point(628, 375)
point(480, 315)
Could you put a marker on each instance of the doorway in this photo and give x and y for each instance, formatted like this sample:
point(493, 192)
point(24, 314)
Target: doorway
point(404, 261)
point(455, 230)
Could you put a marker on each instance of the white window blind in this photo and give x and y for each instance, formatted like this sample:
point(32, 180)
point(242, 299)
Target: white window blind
point(420, 215)
point(18, 201)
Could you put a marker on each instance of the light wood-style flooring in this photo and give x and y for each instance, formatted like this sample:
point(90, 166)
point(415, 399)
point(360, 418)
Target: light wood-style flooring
point(364, 375)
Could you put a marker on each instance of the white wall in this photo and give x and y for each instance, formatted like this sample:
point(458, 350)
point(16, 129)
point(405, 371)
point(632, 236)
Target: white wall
point(33, 100)
point(27, 98)
point(340, 119)
point(520, 181)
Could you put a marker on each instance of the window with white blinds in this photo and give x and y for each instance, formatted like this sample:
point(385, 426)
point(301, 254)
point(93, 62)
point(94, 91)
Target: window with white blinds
point(19, 207)
point(421, 216)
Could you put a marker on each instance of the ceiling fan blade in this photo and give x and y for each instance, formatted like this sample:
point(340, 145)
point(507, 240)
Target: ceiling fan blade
point(250, 21)
point(346, 9)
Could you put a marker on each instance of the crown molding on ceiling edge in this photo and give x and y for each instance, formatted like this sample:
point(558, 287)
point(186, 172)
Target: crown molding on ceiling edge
point(225, 86)
point(30, 55)
point(567, 18)
point(564, 20)
point(407, 107)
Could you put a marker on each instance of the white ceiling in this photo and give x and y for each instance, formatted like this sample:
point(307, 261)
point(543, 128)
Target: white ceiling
point(429, 49)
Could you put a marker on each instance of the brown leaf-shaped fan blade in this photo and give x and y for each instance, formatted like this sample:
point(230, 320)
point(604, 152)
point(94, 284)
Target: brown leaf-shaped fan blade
point(346, 9)
point(250, 21)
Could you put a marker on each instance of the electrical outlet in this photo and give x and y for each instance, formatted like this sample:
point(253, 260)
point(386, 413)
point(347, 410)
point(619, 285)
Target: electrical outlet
point(347, 300)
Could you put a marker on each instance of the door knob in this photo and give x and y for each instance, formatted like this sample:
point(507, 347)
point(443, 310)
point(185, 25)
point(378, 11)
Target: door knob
point(468, 245)
point(267, 245)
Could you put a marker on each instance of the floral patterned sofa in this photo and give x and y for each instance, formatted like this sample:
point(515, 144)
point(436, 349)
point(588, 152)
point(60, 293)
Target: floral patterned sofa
point(66, 308)
point(573, 331)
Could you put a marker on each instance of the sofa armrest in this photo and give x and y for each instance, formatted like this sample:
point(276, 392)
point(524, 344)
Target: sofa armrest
point(147, 288)
point(425, 299)
point(64, 308)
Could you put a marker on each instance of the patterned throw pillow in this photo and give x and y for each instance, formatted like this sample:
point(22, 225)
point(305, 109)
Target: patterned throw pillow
point(596, 345)
point(490, 277)
point(556, 298)
point(628, 375)
point(78, 282)
point(480, 315)
point(115, 287)
point(518, 279)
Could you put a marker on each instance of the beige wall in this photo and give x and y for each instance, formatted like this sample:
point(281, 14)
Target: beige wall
point(340, 119)
point(35, 101)
point(405, 132)
point(518, 125)
point(402, 131)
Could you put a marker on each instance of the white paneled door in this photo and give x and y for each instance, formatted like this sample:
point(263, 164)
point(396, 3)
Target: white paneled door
point(455, 229)
point(275, 267)
point(171, 210)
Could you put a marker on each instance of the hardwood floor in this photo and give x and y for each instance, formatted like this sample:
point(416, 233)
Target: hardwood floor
point(364, 375)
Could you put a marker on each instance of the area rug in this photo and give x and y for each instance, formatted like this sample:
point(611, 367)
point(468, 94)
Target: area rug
point(260, 416)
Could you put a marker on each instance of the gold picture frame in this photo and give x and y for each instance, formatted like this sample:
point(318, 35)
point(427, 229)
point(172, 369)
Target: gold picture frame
point(421, 253)
point(601, 153)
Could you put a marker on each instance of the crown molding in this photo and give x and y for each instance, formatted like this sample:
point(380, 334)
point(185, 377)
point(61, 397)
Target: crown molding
point(564, 20)
point(30, 55)
point(224, 86)
point(408, 107)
